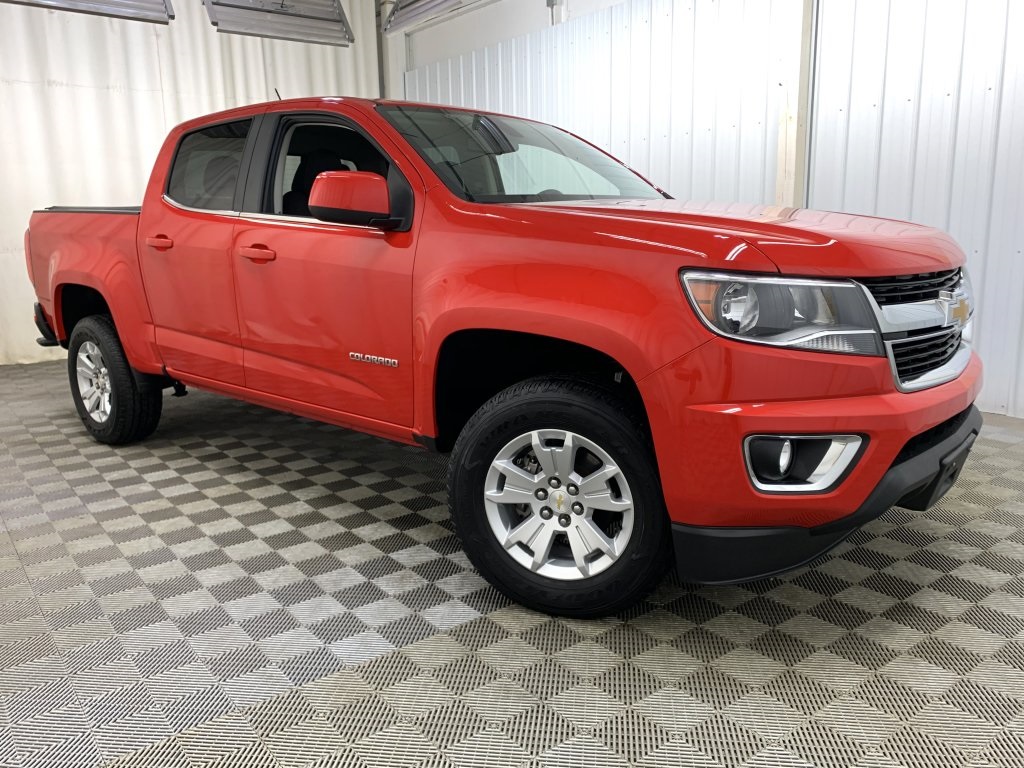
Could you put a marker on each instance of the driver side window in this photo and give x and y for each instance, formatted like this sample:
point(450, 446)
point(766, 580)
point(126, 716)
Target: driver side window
point(309, 149)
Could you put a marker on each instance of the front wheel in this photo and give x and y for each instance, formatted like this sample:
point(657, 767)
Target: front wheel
point(554, 492)
point(115, 406)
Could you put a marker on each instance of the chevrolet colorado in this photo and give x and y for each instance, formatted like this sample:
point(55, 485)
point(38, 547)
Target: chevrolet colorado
point(622, 380)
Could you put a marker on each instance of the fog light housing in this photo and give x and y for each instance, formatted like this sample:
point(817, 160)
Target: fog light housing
point(770, 458)
point(800, 463)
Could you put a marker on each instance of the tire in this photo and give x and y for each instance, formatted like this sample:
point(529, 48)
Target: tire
point(506, 533)
point(131, 410)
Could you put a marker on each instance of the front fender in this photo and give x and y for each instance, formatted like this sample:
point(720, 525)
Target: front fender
point(638, 331)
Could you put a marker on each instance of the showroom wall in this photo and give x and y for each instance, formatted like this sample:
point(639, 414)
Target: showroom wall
point(919, 114)
point(476, 24)
point(88, 100)
point(633, 79)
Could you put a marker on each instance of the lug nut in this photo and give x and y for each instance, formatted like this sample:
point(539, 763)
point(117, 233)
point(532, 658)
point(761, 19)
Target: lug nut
point(563, 520)
point(554, 482)
point(572, 489)
point(541, 494)
point(577, 508)
point(545, 513)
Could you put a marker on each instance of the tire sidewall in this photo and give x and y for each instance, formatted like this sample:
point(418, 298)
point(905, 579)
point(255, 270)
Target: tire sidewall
point(616, 585)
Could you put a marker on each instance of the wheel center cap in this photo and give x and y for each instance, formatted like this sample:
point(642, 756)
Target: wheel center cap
point(559, 501)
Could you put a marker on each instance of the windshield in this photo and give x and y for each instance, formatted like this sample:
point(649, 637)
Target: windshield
point(491, 159)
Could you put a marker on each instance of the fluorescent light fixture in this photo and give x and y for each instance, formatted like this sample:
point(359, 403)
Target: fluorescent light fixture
point(407, 13)
point(305, 21)
point(156, 11)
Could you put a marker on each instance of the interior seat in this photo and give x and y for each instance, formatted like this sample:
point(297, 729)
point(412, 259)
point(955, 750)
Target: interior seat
point(296, 202)
point(219, 178)
point(365, 157)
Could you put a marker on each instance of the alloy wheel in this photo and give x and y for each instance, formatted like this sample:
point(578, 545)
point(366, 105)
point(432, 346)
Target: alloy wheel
point(93, 382)
point(558, 504)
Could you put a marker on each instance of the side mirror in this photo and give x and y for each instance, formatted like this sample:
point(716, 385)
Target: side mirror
point(352, 197)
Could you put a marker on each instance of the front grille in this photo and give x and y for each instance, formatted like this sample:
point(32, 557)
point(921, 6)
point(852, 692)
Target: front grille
point(925, 352)
point(907, 288)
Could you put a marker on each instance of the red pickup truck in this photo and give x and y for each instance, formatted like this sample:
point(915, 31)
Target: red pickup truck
point(621, 379)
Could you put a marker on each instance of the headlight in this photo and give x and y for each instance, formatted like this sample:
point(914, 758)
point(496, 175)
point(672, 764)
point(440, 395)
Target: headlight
point(967, 288)
point(819, 315)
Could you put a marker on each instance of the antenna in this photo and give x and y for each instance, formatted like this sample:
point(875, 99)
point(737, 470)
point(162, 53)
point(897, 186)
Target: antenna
point(278, 94)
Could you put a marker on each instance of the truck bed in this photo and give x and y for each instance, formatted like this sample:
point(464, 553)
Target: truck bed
point(78, 246)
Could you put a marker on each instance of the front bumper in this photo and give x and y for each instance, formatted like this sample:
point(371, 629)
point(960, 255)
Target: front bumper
point(922, 473)
point(701, 408)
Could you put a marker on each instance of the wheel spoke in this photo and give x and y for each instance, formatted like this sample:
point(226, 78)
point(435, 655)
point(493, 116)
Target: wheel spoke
point(580, 550)
point(512, 470)
point(565, 457)
point(541, 546)
point(93, 400)
point(524, 533)
point(595, 538)
point(535, 534)
point(511, 494)
point(85, 366)
point(597, 481)
point(543, 454)
point(555, 461)
point(606, 501)
point(87, 393)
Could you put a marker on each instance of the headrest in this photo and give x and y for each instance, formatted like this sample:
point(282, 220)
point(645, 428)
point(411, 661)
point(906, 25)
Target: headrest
point(312, 165)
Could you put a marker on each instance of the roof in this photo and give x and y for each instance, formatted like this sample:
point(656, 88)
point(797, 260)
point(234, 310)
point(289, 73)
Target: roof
point(306, 100)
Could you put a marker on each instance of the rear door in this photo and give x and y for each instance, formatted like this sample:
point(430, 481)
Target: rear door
point(325, 309)
point(185, 254)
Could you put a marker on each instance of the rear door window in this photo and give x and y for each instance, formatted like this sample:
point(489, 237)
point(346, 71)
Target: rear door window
point(206, 165)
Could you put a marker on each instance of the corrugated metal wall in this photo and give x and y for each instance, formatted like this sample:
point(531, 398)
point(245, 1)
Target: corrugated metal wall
point(688, 92)
point(87, 101)
point(919, 114)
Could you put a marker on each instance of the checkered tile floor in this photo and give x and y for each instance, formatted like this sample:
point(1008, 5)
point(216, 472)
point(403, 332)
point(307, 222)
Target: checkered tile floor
point(252, 589)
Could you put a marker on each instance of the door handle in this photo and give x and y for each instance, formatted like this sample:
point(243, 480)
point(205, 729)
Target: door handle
point(160, 242)
point(258, 253)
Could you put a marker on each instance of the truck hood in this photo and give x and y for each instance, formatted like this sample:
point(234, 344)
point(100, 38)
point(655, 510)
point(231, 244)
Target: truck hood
point(798, 241)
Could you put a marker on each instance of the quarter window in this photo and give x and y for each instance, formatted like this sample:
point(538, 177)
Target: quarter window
point(205, 169)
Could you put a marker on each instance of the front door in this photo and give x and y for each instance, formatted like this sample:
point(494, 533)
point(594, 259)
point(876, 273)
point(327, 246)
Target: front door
point(325, 309)
point(185, 254)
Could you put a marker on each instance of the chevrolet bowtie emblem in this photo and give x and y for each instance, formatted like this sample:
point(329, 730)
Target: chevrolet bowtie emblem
point(560, 501)
point(961, 311)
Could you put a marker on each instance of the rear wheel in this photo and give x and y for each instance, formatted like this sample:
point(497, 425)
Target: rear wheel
point(114, 404)
point(554, 491)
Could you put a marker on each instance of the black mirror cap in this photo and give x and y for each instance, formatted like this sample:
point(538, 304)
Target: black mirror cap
point(399, 218)
point(356, 218)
